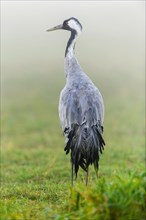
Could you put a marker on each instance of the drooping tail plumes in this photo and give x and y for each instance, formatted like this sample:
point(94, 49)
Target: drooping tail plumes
point(86, 144)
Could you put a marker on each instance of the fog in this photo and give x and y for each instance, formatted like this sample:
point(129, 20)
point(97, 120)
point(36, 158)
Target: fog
point(112, 40)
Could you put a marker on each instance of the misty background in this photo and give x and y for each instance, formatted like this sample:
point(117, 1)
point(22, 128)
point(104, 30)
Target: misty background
point(110, 48)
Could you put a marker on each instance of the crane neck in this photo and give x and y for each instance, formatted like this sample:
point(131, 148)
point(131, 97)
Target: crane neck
point(69, 52)
point(71, 64)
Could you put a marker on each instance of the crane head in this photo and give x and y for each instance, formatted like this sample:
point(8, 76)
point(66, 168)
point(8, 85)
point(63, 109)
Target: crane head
point(71, 24)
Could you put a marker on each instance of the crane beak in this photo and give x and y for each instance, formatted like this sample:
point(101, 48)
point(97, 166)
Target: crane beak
point(58, 27)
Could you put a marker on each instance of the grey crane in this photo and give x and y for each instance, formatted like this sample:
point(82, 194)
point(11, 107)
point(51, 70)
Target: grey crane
point(81, 109)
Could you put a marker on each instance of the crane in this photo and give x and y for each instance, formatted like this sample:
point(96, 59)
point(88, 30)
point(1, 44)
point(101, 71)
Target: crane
point(81, 108)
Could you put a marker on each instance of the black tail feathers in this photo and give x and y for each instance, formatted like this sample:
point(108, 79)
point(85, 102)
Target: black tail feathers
point(86, 144)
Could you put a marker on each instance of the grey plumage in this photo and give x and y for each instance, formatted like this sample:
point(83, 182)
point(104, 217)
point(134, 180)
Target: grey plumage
point(81, 109)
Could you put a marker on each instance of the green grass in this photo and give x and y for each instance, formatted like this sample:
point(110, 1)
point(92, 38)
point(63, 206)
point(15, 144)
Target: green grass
point(35, 172)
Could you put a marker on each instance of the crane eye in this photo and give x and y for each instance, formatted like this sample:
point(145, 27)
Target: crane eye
point(66, 25)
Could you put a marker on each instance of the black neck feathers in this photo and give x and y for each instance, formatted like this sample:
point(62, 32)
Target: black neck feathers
point(72, 37)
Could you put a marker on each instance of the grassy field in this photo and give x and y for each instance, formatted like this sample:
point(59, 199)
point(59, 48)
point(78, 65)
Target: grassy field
point(35, 172)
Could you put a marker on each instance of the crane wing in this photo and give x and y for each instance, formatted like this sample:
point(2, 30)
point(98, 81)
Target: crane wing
point(81, 113)
point(78, 106)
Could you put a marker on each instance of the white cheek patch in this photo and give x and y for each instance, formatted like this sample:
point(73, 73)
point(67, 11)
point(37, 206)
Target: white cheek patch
point(74, 25)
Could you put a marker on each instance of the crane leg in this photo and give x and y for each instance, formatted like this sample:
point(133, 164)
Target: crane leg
point(87, 176)
point(72, 174)
point(96, 171)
